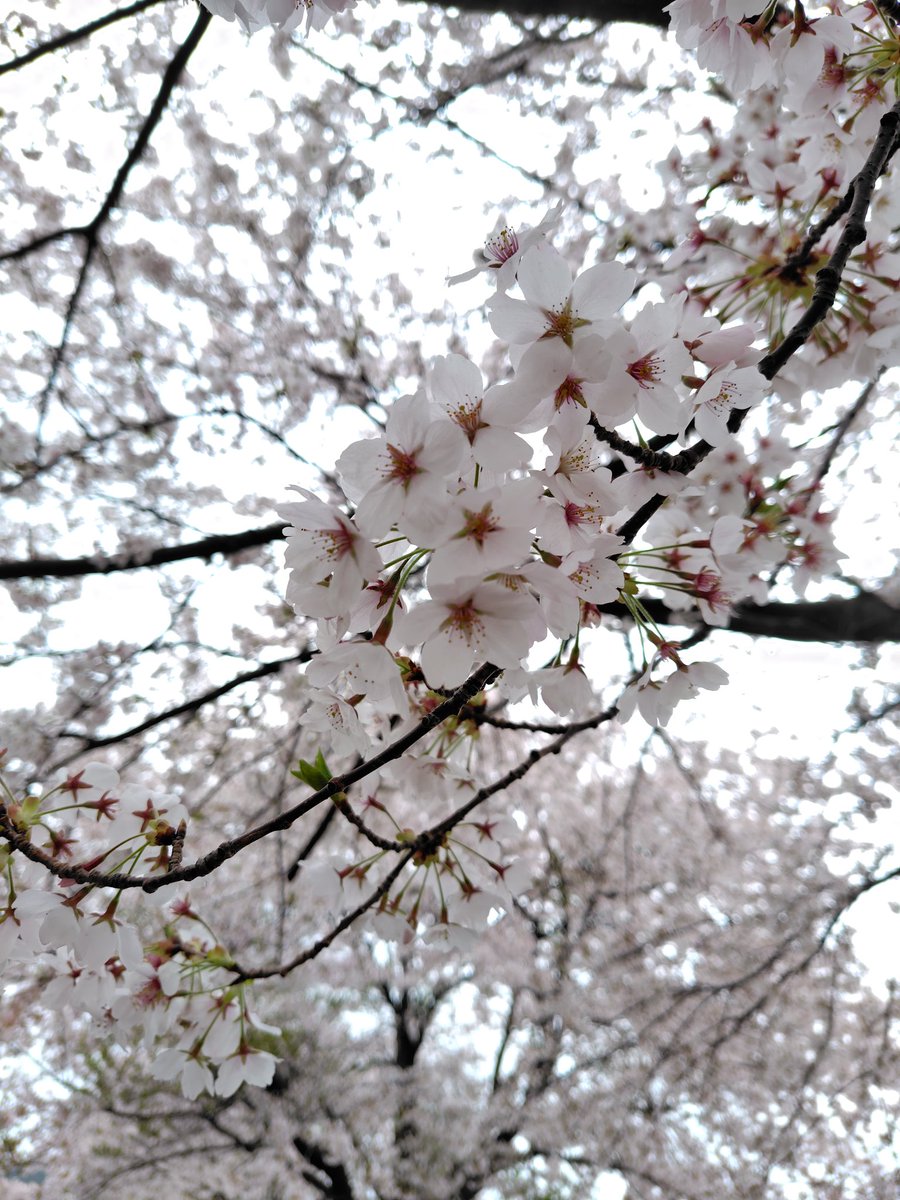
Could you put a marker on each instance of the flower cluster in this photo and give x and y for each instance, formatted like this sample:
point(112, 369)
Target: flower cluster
point(175, 985)
point(460, 549)
point(814, 86)
point(282, 14)
point(497, 523)
point(448, 891)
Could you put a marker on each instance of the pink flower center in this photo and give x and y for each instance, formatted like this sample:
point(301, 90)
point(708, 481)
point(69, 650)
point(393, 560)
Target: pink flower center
point(708, 587)
point(501, 247)
point(480, 524)
point(569, 392)
point(562, 322)
point(723, 402)
point(464, 620)
point(646, 371)
point(403, 466)
point(335, 543)
point(469, 419)
point(575, 460)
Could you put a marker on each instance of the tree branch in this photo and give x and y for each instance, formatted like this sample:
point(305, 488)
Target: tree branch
point(180, 710)
point(828, 279)
point(71, 36)
point(206, 548)
point(861, 618)
point(120, 880)
point(91, 232)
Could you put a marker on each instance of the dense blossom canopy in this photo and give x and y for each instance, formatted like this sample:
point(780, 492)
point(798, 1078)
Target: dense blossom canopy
point(410, 876)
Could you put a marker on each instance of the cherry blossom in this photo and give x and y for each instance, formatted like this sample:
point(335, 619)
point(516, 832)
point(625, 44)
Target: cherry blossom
point(329, 559)
point(462, 624)
point(400, 479)
point(646, 363)
point(554, 305)
point(481, 559)
point(485, 531)
point(487, 418)
point(503, 250)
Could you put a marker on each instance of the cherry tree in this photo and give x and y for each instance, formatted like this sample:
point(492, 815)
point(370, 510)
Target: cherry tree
point(403, 871)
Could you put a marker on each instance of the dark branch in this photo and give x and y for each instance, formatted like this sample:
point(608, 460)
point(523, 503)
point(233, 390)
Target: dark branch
point(206, 548)
point(91, 232)
point(337, 1186)
point(828, 279)
point(477, 682)
point(843, 426)
point(862, 618)
point(71, 36)
point(188, 708)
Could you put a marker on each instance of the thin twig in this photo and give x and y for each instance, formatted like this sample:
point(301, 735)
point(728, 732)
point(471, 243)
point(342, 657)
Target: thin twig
point(426, 843)
point(843, 426)
point(90, 233)
point(829, 277)
point(71, 36)
point(480, 679)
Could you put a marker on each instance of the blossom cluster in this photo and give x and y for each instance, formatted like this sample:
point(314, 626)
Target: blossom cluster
point(282, 14)
point(482, 523)
point(173, 986)
point(814, 83)
point(500, 522)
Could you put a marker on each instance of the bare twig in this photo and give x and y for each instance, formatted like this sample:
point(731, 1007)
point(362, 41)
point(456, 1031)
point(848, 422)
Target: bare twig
point(71, 36)
point(843, 426)
point(90, 233)
point(188, 708)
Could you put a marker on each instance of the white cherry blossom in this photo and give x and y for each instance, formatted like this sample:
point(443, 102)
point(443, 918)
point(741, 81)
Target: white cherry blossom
point(555, 306)
point(463, 624)
point(486, 530)
point(400, 478)
point(488, 418)
point(329, 559)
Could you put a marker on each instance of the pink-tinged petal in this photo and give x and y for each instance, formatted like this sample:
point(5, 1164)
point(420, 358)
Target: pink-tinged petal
point(501, 449)
point(727, 535)
point(601, 290)
point(514, 320)
point(354, 466)
point(425, 510)
point(508, 643)
point(196, 1078)
point(422, 622)
point(544, 277)
point(408, 421)
point(710, 421)
point(446, 659)
point(463, 559)
point(444, 448)
point(610, 406)
point(543, 367)
point(590, 360)
point(229, 1078)
point(259, 1068)
point(379, 509)
point(455, 382)
point(661, 410)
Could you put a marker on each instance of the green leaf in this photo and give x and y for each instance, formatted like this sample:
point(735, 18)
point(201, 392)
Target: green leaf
point(314, 774)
